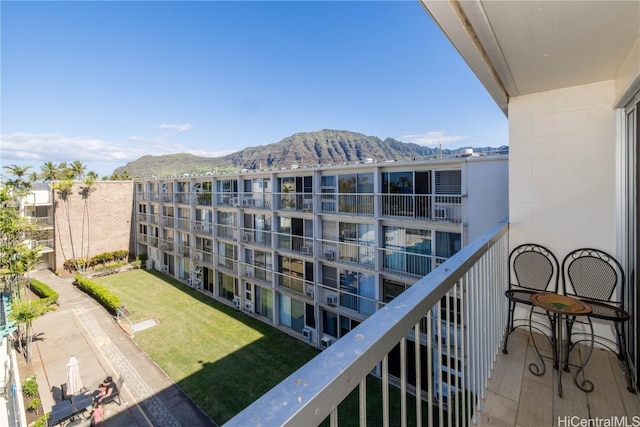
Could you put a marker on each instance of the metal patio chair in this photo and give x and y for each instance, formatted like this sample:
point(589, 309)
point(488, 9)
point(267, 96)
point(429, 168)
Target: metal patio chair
point(532, 269)
point(594, 276)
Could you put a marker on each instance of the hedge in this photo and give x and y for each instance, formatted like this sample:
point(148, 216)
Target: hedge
point(108, 300)
point(44, 291)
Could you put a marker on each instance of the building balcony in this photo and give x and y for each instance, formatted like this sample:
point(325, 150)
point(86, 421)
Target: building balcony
point(463, 379)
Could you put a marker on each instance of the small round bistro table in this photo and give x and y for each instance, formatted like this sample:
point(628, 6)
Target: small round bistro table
point(561, 308)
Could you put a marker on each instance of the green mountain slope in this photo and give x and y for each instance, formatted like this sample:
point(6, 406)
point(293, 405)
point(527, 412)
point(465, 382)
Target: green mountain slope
point(302, 149)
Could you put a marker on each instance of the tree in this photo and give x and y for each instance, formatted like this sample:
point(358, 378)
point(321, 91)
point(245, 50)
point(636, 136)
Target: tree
point(49, 172)
point(64, 189)
point(77, 169)
point(89, 186)
point(24, 313)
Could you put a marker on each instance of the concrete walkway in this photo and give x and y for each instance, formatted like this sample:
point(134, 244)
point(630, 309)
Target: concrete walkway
point(82, 328)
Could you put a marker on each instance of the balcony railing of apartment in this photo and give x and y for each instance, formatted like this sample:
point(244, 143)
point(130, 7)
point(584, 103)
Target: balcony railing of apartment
point(167, 221)
point(227, 199)
point(292, 282)
point(202, 256)
point(42, 221)
point(432, 207)
point(229, 263)
point(300, 202)
point(253, 271)
point(202, 227)
point(259, 237)
point(166, 246)
point(348, 252)
point(298, 244)
point(346, 203)
point(46, 244)
point(255, 200)
point(226, 231)
point(183, 224)
point(345, 301)
point(409, 264)
point(475, 276)
point(201, 199)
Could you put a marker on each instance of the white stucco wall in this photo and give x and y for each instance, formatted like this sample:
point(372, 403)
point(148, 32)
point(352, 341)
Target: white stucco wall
point(562, 148)
point(487, 193)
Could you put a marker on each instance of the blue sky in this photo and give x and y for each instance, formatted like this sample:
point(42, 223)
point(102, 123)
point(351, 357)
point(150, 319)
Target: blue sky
point(108, 82)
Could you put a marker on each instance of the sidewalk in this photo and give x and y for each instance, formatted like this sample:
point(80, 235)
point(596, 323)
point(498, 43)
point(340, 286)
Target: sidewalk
point(82, 328)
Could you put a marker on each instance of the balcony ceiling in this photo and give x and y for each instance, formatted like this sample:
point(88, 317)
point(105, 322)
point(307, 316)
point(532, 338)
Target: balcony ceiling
point(522, 47)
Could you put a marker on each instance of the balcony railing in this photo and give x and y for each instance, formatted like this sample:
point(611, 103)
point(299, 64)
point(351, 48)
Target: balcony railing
point(255, 200)
point(258, 237)
point(461, 303)
point(445, 208)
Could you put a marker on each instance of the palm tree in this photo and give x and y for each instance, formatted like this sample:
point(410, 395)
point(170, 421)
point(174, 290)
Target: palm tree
point(78, 169)
point(49, 171)
point(24, 313)
point(20, 186)
point(89, 186)
point(64, 189)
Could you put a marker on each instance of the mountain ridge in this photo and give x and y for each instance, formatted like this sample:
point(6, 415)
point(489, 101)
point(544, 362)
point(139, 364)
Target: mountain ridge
point(304, 149)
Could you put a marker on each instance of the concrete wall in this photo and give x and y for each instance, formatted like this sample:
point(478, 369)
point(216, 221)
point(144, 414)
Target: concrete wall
point(487, 194)
point(562, 168)
point(101, 222)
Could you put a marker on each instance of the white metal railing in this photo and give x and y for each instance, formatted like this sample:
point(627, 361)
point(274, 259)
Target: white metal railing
point(461, 303)
point(441, 208)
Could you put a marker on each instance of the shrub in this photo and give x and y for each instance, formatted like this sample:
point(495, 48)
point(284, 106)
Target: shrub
point(44, 291)
point(30, 387)
point(42, 421)
point(108, 300)
point(33, 406)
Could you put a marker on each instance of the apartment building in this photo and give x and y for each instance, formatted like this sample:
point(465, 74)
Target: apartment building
point(37, 206)
point(314, 251)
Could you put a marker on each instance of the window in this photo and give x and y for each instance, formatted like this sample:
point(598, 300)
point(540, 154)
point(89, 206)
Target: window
point(264, 302)
point(448, 182)
point(407, 250)
point(227, 286)
point(291, 313)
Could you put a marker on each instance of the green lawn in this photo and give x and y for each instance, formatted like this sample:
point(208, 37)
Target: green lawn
point(222, 358)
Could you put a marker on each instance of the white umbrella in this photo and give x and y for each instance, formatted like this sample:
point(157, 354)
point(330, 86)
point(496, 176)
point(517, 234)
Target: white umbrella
point(74, 382)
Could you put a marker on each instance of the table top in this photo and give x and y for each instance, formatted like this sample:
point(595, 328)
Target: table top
point(69, 408)
point(561, 304)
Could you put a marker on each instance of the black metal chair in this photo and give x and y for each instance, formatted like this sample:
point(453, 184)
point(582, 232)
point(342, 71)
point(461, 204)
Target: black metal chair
point(593, 276)
point(532, 269)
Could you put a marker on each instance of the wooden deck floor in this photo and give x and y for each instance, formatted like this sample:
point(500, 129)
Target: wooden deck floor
point(516, 397)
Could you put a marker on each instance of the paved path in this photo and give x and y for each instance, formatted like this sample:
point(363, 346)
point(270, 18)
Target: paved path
point(82, 328)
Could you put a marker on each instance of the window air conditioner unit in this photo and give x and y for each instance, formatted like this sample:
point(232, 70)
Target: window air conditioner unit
point(236, 303)
point(307, 250)
point(307, 205)
point(248, 305)
point(233, 201)
point(309, 293)
point(165, 268)
point(325, 342)
point(329, 254)
point(197, 228)
point(247, 237)
point(197, 257)
point(440, 212)
point(247, 202)
point(307, 333)
point(249, 272)
point(332, 299)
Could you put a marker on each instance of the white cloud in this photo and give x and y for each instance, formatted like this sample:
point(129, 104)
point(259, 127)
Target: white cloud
point(180, 128)
point(433, 138)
